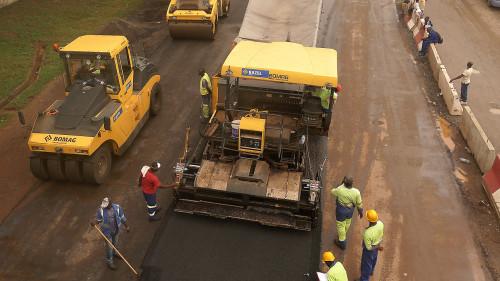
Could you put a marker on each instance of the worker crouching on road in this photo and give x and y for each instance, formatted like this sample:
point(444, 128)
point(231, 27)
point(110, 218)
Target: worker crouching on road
point(336, 271)
point(347, 197)
point(206, 93)
point(150, 184)
point(110, 217)
point(372, 239)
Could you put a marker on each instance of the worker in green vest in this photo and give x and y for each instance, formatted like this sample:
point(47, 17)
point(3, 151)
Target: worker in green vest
point(336, 271)
point(324, 94)
point(372, 244)
point(206, 93)
point(347, 198)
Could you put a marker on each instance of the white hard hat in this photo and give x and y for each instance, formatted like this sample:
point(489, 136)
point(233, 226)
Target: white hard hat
point(105, 202)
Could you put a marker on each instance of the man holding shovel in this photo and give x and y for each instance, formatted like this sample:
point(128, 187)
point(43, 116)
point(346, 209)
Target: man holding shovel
point(110, 217)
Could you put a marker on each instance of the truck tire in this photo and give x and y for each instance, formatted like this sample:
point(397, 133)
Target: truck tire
point(55, 169)
point(97, 168)
point(73, 170)
point(155, 100)
point(38, 167)
point(225, 8)
point(214, 30)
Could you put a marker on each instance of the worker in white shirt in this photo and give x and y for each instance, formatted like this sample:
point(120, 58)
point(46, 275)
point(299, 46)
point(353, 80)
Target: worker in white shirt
point(465, 81)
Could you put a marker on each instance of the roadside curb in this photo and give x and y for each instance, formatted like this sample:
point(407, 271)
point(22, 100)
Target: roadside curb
point(481, 147)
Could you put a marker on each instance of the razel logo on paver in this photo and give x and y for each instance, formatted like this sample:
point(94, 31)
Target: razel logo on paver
point(48, 138)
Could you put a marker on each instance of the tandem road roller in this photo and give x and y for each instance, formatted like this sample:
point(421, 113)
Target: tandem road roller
point(109, 98)
point(257, 159)
point(195, 18)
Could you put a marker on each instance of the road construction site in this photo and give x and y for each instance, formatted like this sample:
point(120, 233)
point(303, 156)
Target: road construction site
point(389, 130)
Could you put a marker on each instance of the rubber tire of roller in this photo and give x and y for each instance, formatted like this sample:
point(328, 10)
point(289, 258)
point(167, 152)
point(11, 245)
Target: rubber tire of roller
point(73, 170)
point(55, 169)
point(226, 8)
point(91, 166)
point(155, 100)
point(38, 167)
point(212, 34)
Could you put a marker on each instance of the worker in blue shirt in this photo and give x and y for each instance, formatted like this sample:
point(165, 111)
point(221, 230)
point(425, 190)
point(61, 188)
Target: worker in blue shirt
point(110, 217)
point(372, 240)
point(433, 38)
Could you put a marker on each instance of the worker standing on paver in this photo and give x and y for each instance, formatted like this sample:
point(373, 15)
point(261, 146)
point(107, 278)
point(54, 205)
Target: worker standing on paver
point(372, 239)
point(465, 81)
point(150, 184)
point(336, 271)
point(324, 94)
point(206, 93)
point(347, 197)
point(110, 216)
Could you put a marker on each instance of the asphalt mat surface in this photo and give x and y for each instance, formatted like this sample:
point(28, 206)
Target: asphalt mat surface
point(234, 250)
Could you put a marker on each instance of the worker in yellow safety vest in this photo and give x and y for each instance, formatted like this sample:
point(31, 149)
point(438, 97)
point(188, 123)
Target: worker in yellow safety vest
point(206, 93)
point(324, 94)
point(347, 198)
point(336, 271)
point(372, 244)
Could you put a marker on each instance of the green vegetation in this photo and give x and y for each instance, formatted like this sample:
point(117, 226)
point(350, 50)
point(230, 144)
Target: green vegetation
point(27, 22)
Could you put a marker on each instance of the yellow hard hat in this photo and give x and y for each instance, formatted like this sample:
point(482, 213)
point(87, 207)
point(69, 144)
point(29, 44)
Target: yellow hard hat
point(372, 216)
point(328, 256)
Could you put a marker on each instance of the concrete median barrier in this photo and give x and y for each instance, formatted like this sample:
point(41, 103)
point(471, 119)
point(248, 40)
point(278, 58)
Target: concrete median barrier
point(476, 139)
point(434, 61)
point(418, 33)
point(449, 93)
point(491, 185)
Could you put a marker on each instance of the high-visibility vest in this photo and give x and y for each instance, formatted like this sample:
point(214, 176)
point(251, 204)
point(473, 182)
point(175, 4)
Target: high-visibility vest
point(204, 91)
point(324, 95)
point(373, 235)
point(336, 273)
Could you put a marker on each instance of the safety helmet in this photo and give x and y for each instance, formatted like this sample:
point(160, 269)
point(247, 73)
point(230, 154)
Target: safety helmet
point(328, 256)
point(155, 166)
point(372, 216)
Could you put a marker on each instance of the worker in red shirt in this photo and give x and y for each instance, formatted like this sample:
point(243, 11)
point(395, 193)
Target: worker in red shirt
point(150, 184)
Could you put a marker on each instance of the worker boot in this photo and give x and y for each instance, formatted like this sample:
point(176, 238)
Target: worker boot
point(156, 217)
point(341, 244)
point(111, 266)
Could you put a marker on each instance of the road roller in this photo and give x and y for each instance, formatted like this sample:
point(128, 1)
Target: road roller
point(109, 96)
point(196, 19)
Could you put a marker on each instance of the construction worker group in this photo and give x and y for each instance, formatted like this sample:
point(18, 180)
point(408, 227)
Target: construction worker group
point(110, 216)
point(348, 198)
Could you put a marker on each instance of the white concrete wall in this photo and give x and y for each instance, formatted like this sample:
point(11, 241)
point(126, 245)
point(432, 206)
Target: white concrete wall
point(449, 93)
point(476, 139)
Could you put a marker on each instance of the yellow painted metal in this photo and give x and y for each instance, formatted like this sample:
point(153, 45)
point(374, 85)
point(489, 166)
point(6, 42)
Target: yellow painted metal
point(133, 110)
point(133, 105)
point(109, 44)
point(282, 62)
point(257, 126)
point(194, 23)
point(215, 92)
